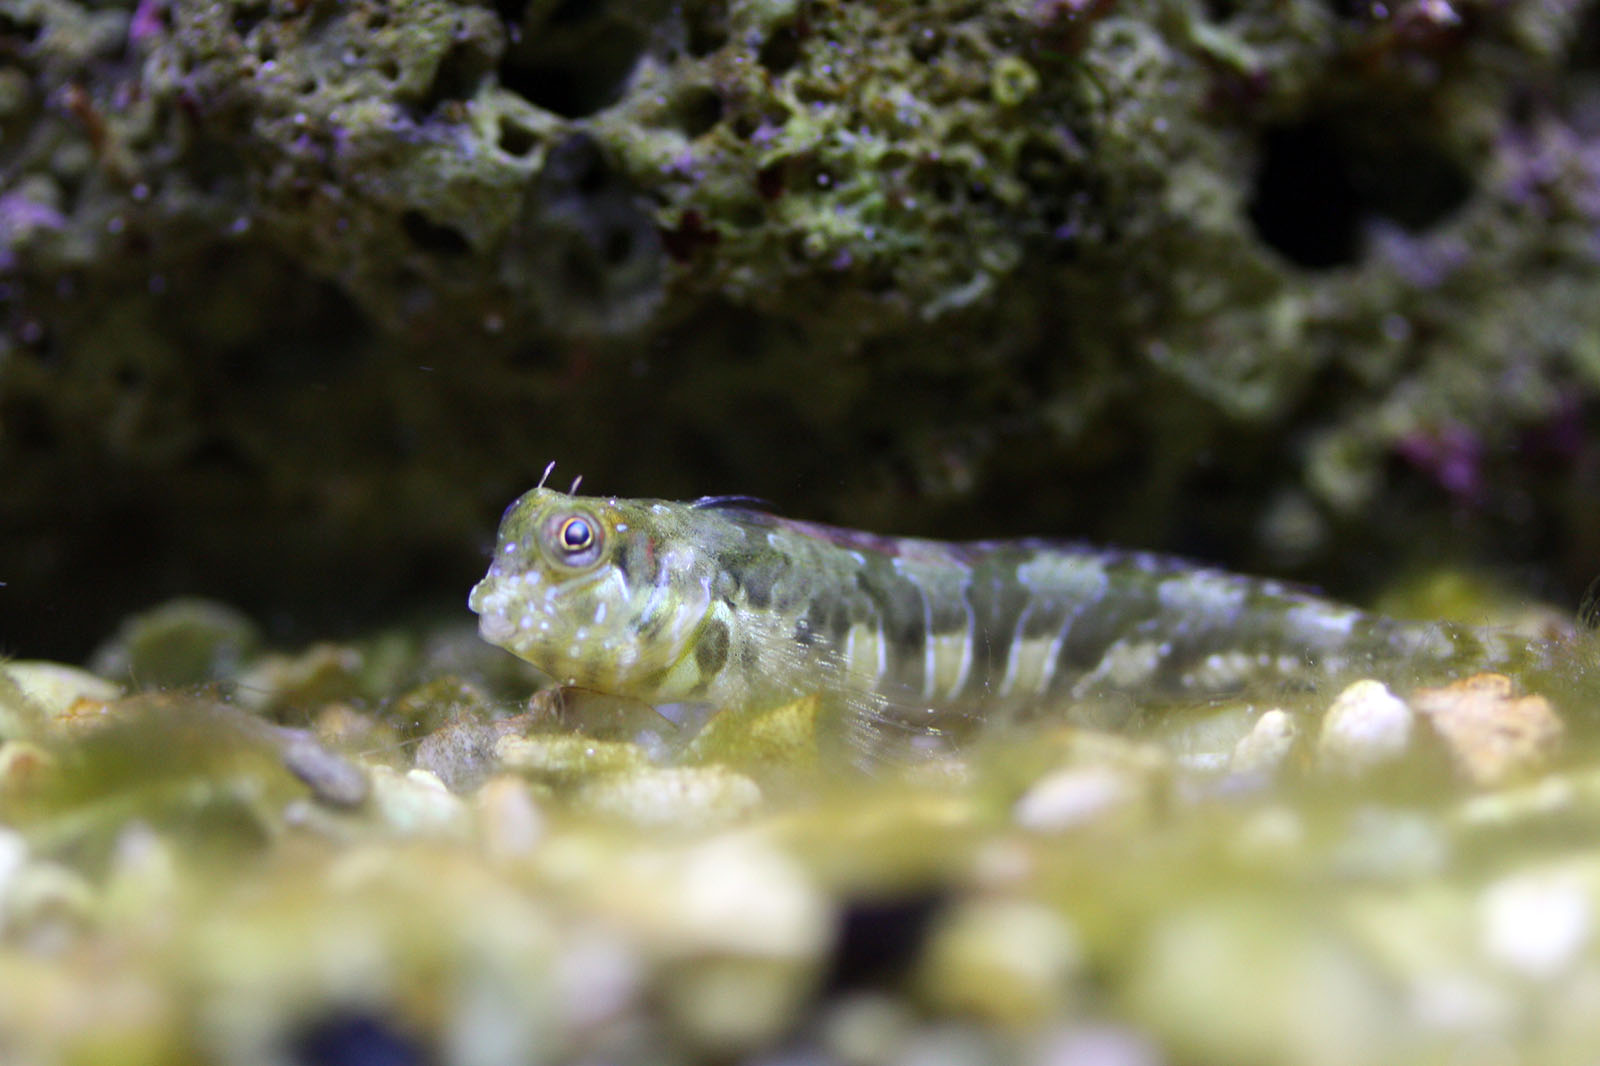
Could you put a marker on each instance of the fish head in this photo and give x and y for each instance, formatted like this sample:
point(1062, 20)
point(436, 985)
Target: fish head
point(595, 592)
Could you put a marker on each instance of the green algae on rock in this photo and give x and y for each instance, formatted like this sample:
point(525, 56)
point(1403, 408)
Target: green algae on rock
point(181, 642)
point(277, 215)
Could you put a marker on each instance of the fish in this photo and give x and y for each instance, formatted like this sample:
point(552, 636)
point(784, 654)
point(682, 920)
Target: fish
point(719, 602)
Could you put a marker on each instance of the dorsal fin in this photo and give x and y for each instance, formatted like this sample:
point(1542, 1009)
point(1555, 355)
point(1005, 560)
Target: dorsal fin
point(731, 503)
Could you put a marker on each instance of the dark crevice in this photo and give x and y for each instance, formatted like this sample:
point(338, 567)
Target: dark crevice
point(1320, 182)
point(458, 76)
point(511, 12)
point(574, 85)
point(781, 50)
point(577, 165)
point(1304, 204)
point(1351, 9)
point(706, 28)
point(553, 89)
point(516, 139)
point(433, 237)
point(926, 43)
point(18, 33)
point(247, 19)
point(698, 109)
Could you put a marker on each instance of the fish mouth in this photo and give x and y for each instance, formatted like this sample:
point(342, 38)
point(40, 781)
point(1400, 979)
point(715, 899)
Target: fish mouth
point(488, 600)
point(476, 599)
point(497, 629)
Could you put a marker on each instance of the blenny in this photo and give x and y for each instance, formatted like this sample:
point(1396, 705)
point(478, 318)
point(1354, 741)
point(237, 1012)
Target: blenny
point(720, 603)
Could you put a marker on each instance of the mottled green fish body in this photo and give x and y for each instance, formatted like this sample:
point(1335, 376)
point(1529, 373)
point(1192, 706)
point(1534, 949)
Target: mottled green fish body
point(714, 602)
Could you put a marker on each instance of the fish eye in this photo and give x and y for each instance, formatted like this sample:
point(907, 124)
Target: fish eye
point(576, 534)
point(573, 539)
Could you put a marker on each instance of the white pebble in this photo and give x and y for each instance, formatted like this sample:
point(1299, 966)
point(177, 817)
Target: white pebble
point(1074, 797)
point(1366, 726)
point(1263, 749)
point(1536, 923)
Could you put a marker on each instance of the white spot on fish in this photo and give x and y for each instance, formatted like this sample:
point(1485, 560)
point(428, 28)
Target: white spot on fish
point(1081, 580)
point(1317, 621)
point(1204, 597)
point(1220, 671)
point(1124, 665)
point(622, 527)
